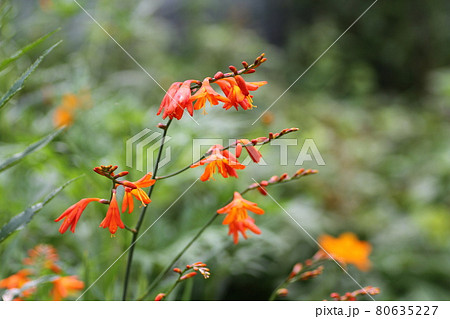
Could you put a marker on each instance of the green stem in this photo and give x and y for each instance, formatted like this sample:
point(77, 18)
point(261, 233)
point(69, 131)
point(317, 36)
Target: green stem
point(287, 281)
point(175, 259)
point(141, 217)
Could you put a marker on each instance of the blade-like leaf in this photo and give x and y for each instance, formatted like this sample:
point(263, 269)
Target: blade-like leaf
point(30, 149)
point(25, 217)
point(18, 85)
point(25, 49)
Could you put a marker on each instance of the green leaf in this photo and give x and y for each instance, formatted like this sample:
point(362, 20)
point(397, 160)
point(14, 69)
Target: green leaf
point(18, 85)
point(25, 49)
point(30, 149)
point(25, 217)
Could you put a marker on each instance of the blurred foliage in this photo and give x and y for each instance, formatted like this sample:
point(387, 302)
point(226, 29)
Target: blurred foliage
point(376, 106)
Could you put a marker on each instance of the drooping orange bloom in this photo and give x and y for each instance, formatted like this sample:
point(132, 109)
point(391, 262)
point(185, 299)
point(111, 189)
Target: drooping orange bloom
point(176, 100)
point(135, 189)
point(17, 280)
point(237, 91)
point(226, 163)
point(237, 217)
point(44, 256)
point(112, 219)
point(206, 92)
point(65, 286)
point(346, 249)
point(255, 155)
point(73, 214)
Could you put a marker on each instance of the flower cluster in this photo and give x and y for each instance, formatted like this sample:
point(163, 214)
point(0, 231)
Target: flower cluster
point(112, 220)
point(188, 272)
point(220, 158)
point(237, 217)
point(41, 261)
point(351, 296)
point(193, 94)
point(261, 186)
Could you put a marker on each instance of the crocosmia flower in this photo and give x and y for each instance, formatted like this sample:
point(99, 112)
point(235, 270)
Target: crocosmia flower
point(112, 219)
point(237, 91)
point(346, 249)
point(225, 162)
point(176, 100)
point(65, 286)
point(73, 214)
point(207, 93)
point(135, 189)
point(255, 155)
point(237, 218)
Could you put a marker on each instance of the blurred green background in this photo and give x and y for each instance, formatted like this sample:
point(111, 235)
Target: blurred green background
point(376, 105)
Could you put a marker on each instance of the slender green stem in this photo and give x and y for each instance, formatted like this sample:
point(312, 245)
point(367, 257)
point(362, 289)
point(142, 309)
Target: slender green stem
point(185, 248)
point(287, 281)
point(141, 216)
point(175, 259)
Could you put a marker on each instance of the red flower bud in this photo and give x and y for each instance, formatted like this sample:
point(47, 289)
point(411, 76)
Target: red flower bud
point(160, 296)
point(218, 75)
point(189, 275)
point(178, 270)
point(233, 69)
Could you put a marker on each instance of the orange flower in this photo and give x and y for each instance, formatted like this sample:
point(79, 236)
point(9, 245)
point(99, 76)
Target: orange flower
point(65, 286)
point(176, 100)
point(346, 249)
point(255, 155)
point(222, 159)
point(238, 219)
point(62, 117)
point(135, 189)
point(206, 92)
point(237, 91)
point(73, 214)
point(17, 280)
point(64, 113)
point(112, 219)
point(45, 256)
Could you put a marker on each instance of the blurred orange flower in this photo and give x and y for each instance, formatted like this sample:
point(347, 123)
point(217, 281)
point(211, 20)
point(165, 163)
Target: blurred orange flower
point(17, 280)
point(135, 189)
point(65, 286)
point(43, 255)
point(346, 249)
point(238, 219)
point(73, 214)
point(65, 112)
point(112, 219)
point(225, 162)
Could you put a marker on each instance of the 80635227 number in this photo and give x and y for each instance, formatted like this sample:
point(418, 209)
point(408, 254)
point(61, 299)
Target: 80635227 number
point(406, 310)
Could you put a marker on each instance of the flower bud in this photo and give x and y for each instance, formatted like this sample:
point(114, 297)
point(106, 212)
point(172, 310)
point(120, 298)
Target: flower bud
point(160, 296)
point(245, 64)
point(178, 270)
point(189, 275)
point(233, 69)
point(218, 75)
point(282, 292)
